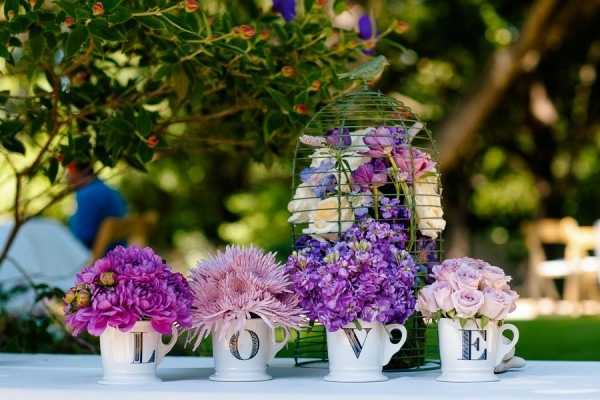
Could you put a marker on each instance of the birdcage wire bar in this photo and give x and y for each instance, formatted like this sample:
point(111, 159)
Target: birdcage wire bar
point(354, 113)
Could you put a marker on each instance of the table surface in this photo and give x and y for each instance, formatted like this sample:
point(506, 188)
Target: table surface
point(51, 376)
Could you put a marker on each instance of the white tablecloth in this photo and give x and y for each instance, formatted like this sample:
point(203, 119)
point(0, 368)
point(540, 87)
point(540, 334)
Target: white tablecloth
point(60, 377)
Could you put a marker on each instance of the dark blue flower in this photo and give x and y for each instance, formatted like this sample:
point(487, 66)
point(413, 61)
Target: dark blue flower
point(367, 33)
point(287, 8)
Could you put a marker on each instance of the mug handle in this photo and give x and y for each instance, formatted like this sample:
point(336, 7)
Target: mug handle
point(163, 349)
point(504, 348)
point(390, 348)
point(275, 346)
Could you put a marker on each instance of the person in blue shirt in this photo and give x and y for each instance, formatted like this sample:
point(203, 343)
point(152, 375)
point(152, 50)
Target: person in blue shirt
point(95, 202)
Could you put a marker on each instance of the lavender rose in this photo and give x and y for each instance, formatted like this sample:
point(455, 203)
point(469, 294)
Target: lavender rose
point(442, 291)
point(496, 304)
point(467, 302)
point(426, 303)
point(466, 277)
point(495, 277)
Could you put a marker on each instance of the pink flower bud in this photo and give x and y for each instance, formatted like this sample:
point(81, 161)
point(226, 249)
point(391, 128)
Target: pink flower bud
point(287, 71)
point(264, 35)
point(370, 44)
point(69, 21)
point(315, 85)
point(300, 109)
point(191, 5)
point(82, 299)
point(69, 297)
point(108, 278)
point(98, 8)
point(320, 4)
point(401, 27)
point(152, 141)
point(247, 32)
point(33, 2)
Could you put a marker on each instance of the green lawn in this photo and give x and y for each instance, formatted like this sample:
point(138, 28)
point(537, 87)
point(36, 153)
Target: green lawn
point(559, 338)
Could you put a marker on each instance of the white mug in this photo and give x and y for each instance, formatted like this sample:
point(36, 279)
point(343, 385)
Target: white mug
point(358, 355)
point(470, 353)
point(243, 356)
point(132, 356)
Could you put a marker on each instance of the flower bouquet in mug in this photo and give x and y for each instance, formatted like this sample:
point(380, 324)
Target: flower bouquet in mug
point(362, 282)
point(240, 297)
point(367, 203)
point(129, 298)
point(469, 299)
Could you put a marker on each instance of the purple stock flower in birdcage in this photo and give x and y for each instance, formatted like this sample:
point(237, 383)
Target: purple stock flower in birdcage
point(319, 178)
point(339, 138)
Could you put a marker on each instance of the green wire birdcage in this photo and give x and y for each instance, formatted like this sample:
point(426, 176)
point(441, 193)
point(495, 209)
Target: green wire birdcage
point(332, 147)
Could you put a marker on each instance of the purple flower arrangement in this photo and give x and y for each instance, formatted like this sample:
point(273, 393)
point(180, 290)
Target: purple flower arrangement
point(128, 285)
point(367, 274)
point(239, 284)
point(369, 208)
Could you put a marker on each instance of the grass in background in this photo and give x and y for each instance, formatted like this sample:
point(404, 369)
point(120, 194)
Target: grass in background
point(559, 338)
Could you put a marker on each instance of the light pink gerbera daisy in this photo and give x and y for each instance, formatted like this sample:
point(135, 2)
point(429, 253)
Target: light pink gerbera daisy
point(236, 285)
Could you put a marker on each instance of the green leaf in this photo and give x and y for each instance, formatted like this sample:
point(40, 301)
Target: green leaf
point(99, 29)
point(4, 51)
point(178, 23)
point(4, 96)
point(52, 170)
point(181, 82)
point(77, 37)
point(392, 43)
point(164, 71)
point(82, 14)
point(144, 122)
point(119, 15)
point(484, 321)
point(339, 6)
point(206, 24)
point(279, 98)
point(110, 5)
point(232, 48)
point(11, 127)
point(121, 126)
point(69, 7)
point(12, 144)
point(145, 153)
point(128, 113)
point(151, 22)
point(11, 5)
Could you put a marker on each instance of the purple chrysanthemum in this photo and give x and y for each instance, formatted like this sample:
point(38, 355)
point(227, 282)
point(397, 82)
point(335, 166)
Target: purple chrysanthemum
point(232, 286)
point(128, 285)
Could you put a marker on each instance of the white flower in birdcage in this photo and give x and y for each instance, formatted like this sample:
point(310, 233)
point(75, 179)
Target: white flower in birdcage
point(353, 173)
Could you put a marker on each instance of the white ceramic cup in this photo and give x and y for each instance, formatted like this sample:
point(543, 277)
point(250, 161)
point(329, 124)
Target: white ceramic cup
point(132, 356)
point(359, 355)
point(470, 353)
point(244, 356)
